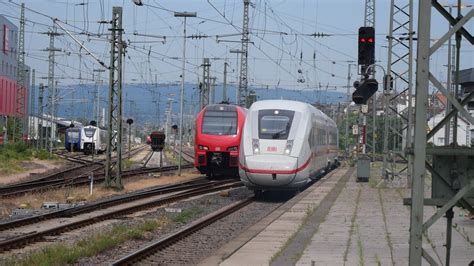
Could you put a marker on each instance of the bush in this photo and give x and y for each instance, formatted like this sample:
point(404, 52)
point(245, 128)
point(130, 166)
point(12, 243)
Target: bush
point(15, 151)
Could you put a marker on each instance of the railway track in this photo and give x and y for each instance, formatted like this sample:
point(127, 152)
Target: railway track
point(153, 252)
point(148, 157)
point(64, 226)
point(76, 175)
point(77, 180)
point(141, 255)
point(186, 154)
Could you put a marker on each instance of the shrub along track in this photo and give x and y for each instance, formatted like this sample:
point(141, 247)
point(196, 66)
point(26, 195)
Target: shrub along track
point(187, 191)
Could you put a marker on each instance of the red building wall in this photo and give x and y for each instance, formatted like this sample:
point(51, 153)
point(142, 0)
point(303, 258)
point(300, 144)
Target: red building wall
point(8, 97)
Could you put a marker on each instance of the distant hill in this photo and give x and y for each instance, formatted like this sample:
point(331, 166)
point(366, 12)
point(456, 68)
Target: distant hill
point(147, 108)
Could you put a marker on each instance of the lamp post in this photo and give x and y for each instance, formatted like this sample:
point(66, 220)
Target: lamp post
point(183, 15)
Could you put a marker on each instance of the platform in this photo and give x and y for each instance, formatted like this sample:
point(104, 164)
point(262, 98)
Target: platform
point(363, 224)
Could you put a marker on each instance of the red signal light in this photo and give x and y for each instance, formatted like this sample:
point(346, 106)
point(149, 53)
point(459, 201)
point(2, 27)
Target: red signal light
point(362, 39)
point(371, 40)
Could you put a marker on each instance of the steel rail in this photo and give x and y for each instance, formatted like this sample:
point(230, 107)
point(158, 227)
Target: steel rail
point(23, 240)
point(184, 232)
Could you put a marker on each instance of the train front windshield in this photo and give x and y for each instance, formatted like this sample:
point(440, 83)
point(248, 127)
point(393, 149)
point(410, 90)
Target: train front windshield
point(219, 122)
point(274, 124)
point(73, 135)
point(89, 132)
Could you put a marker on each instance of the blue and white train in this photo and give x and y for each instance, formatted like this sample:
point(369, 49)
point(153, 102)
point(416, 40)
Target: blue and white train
point(72, 140)
point(285, 144)
point(93, 139)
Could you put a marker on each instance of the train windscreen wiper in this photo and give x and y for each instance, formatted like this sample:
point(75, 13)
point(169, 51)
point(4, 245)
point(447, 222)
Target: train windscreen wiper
point(277, 134)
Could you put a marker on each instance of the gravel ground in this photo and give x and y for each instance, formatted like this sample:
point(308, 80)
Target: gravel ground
point(203, 243)
point(198, 246)
point(199, 206)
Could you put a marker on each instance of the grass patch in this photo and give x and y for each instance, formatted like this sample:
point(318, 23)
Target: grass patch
point(351, 231)
point(186, 215)
point(387, 234)
point(462, 231)
point(59, 254)
point(360, 249)
point(13, 153)
point(127, 164)
point(377, 260)
point(45, 155)
point(309, 210)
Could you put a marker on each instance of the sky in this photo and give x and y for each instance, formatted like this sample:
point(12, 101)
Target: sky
point(282, 54)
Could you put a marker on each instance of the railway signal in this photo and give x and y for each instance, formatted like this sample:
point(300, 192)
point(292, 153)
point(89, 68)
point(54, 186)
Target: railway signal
point(366, 46)
point(364, 90)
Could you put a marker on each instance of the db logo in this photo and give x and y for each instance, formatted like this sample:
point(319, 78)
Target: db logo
point(272, 149)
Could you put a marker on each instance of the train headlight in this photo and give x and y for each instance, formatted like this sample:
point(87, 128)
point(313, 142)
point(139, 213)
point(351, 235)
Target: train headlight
point(255, 146)
point(288, 147)
point(202, 147)
point(233, 148)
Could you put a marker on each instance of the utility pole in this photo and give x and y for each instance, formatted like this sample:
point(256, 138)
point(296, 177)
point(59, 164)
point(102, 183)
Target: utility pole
point(98, 83)
point(224, 93)
point(21, 84)
point(168, 118)
point(31, 117)
point(113, 168)
point(399, 71)
point(206, 81)
point(181, 115)
point(243, 82)
point(40, 143)
point(213, 91)
point(236, 52)
point(51, 89)
point(348, 100)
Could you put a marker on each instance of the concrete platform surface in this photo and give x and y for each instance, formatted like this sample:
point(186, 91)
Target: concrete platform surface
point(261, 249)
point(366, 225)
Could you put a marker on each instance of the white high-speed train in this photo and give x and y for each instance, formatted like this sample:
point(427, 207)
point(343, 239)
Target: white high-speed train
point(285, 144)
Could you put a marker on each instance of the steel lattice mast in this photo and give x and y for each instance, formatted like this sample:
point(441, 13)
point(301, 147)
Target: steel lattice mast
point(243, 82)
point(398, 97)
point(40, 144)
point(31, 119)
point(113, 167)
point(453, 162)
point(206, 83)
point(368, 118)
point(51, 85)
point(21, 78)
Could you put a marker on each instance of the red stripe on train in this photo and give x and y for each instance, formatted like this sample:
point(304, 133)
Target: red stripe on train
point(284, 172)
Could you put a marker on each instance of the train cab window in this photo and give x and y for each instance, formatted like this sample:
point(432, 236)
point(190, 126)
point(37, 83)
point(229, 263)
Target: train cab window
point(274, 124)
point(219, 122)
point(73, 135)
point(89, 132)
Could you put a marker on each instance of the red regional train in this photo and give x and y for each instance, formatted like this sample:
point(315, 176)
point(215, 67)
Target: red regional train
point(217, 139)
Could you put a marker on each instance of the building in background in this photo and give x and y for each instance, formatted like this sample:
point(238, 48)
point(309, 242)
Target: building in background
point(8, 75)
point(466, 80)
